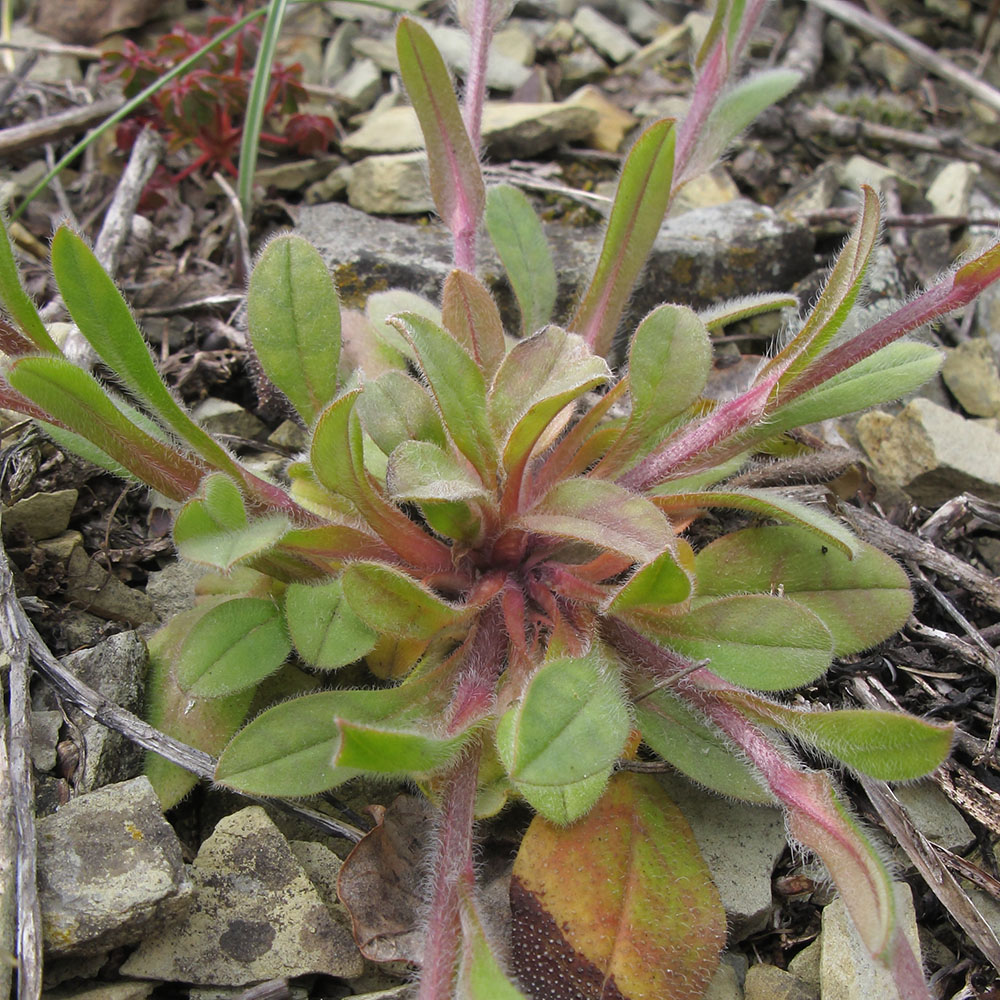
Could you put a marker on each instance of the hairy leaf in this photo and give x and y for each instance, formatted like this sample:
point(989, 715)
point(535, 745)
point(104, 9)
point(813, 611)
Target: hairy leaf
point(419, 470)
point(383, 305)
point(520, 243)
point(376, 749)
point(470, 315)
point(560, 742)
point(653, 586)
point(640, 203)
point(294, 318)
point(16, 301)
point(861, 600)
point(480, 976)
point(602, 514)
point(324, 628)
point(618, 904)
point(234, 646)
point(735, 310)
point(395, 408)
point(754, 640)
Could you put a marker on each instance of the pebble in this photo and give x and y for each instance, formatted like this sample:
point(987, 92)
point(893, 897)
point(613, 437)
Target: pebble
point(608, 38)
point(952, 187)
point(359, 87)
point(41, 515)
point(613, 123)
point(970, 372)
point(392, 184)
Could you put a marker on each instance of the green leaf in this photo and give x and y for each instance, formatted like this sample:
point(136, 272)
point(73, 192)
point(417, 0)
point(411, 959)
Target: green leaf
point(520, 243)
point(603, 514)
point(682, 738)
point(560, 742)
point(456, 180)
point(767, 503)
point(619, 904)
point(207, 724)
point(419, 470)
point(889, 746)
point(16, 301)
point(640, 203)
point(458, 386)
point(536, 380)
point(470, 315)
point(738, 107)
point(735, 310)
point(651, 587)
point(479, 974)
point(861, 601)
point(754, 640)
point(325, 630)
point(375, 749)
point(104, 319)
point(234, 646)
point(382, 305)
point(393, 603)
point(883, 376)
point(76, 399)
point(294, 318)
point(395, 408)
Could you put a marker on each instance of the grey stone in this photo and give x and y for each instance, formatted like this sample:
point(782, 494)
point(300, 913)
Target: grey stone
point(92, 588)
point(582, 65)
point(934, 815)
point(502, 72)
point(932, 453)
point(358, 88)
point(380, 50)
point(894, 66)
point(393, 184)
point(768, 982)
point(171, 589)
point(509, 129)
point(337, 56)
point(724, 985)
point(741, 845)
point(847, 970)
point(110, 870)
point(45, 726)
point(515, 42)
point(57, 69)
point(952, 187)
point(814, 193)
point(861, 170)
point(805, 964)
point(642, 21)
point(714, 187)
point(970, 372)
point(666, 45)
point(613, 122)
point(221, 416)
point(255, 915)
point(296, 174)
point(288, 434)
point(102, 991)
point(608, 38)
point(41, 515)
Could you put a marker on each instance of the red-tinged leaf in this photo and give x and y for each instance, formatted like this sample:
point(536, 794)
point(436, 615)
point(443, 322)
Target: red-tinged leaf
point(76, 400)
point(638, 210)
point(470, 315)
point(328, 547)
point(294, 318)
point(18, 303)
point(456, 180)
point(971, 278)
point(602, 514)
point(617, 906)
point(861, 600)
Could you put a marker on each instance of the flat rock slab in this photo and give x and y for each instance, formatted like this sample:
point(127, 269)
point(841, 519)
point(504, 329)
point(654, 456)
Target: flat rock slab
point(110, 870)
point(255, 916)
point(699, 258)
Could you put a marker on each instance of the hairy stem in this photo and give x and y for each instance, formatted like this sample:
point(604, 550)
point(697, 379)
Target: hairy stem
point(452, 875)
point(480, 35)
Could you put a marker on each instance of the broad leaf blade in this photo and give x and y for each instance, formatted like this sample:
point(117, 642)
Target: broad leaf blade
point(520, 243)
point(324, 628)
point(652, 587)
point(376, 749)
point(618, 904)
point(16, 300)
point(602, 514)
point(754, 640)
point(294, 318)
point(456, 181)
point(638, 210)
point(419, 470)
point(560, 742)
point(861, 601)
point(470, 315)
point(479, 974)
point(395, 408)
point(234, 646)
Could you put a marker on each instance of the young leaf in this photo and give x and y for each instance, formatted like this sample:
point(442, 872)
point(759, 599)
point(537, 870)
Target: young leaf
point(754, 640)
point(395, 408)
point(520, 243)
point(722, 315)
point(766, 503)
point(470, 315)
point(659, 583)
point(419, 470)
point(682, 738)
point(74, 398)
point(234, 646)
point(16, 301)
point(889, 746)
point(640, 203)
point(294, 318)
point(603, 514)
point(618, 904)
point(456, 181)
point(202, 723)
point(391, 602)
point(325, 630)
point(479, 974)
point(376, 749)
point(560, 742)
point(861, 600)
point(459, 387)
point(104, 318)
point(381, 306)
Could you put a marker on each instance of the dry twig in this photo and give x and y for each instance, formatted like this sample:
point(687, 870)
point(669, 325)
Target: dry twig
point(52, 128)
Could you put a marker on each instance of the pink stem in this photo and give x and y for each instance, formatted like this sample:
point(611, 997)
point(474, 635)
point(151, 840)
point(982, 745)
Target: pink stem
point(481, 33)
point(452, 873)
